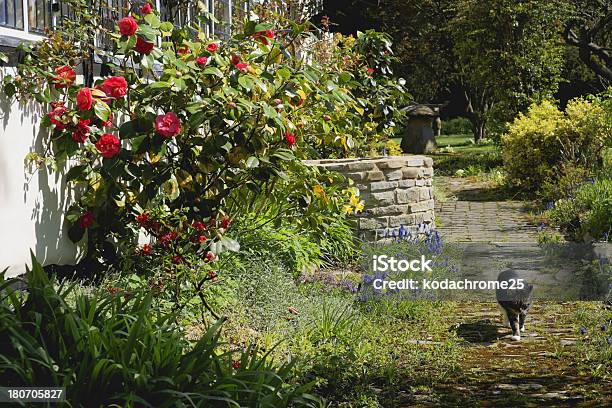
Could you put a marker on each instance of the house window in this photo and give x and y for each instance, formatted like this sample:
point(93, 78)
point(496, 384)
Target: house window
point(40, 15)
point(11, 14)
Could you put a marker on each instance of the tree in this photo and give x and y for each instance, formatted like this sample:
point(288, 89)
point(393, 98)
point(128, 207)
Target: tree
point(590, 30)
point(498, 54)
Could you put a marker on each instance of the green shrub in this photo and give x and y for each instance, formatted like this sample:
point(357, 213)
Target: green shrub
point(112, 349)
point(585, 213)
point(542, 145)
point(456, 126)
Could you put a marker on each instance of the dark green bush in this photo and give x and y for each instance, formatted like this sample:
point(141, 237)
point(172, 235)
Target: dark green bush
point(456, 126)
point(110, 349)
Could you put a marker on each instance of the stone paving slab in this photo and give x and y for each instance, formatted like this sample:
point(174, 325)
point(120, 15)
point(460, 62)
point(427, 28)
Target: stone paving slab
point(490, 221)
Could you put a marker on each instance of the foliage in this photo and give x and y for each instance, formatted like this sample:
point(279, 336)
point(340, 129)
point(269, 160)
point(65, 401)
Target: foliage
point(112, 349)
point(369, 59)
point(190, 125)
point(587, 212)
point(456, 126)
point(497, 55)
point(545, 144)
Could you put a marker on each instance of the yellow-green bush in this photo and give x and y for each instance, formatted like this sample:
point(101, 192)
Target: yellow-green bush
point(543, 143)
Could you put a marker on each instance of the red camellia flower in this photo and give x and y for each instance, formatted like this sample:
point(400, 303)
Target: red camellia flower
point(198, 225)
point(146, 248)
point(146, 9)
point(202, 239)
point(202, 61)
point(264, 35)
point(210, 256)
point(82, 131)
point(114, 87)
point(235, 59)
point(64, 76)
point(142, 219)
point(225, 222)
point(370, 71)
point(242, 66)
point(108, 145)
point(289, 139)
point(168, 125)
point(212, 47)
point(84, 99)
point(86, 220)
point(142, 46)
point(127, 26)
point(56, 116)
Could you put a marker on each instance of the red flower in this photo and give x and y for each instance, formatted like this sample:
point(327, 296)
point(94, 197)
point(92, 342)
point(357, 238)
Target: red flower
point(142, 219)
point(264, 35)
point(127, 26)
point(236, 364)
point(64, 76)
point(198, 225)
point(289, 139)
point(210, 256)
point(202, 239)
point(56, 116)
point(167, 238)
point(184, 50)
point(242, 66)
point(143, 47)
point(84, 99)
point(82, 131)
point(235, 59)
point(146, 9)
point(212, 47)
point(108, 145)
point(370, 71)
point(202, 61)
point(225, 222)
point(168, 125)
point(86, 220)
point(114, 87)
point(146, 248)
point(177, 259)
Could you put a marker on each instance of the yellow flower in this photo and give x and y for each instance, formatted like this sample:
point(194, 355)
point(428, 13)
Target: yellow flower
point(347, 209)
point(359, 207)
point(319, 192)
point(354, 200)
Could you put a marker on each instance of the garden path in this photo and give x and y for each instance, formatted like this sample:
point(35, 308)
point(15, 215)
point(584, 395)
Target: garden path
point(495, 371)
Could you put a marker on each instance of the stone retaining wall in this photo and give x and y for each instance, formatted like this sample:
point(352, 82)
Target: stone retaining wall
point(397, 191)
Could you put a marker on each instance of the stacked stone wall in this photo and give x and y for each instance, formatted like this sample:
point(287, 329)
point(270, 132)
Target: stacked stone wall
point(397, 191)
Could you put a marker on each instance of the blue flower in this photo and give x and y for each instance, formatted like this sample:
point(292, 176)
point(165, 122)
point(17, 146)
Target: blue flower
point(367, 279)
point(582, 331)
point(550, 205)
point(603, 327)
point(609, 340)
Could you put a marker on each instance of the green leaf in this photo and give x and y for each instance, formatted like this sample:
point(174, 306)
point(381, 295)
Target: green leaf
point(213, 71)
point(159, 85)
point(75, 173)
point(166, 27)
point(102, 110)
point(152, 20)
point(246, 82)
point(252, 162)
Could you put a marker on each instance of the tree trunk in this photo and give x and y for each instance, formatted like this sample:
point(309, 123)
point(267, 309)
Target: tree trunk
point(476, 112)
point(479, 128)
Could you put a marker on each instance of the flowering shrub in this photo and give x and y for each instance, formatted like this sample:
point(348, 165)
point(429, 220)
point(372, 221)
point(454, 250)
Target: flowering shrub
point(185, 122)
point(545, 144)
point(366, 63)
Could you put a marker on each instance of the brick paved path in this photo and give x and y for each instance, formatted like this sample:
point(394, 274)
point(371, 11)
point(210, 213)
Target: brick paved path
point(464, 220)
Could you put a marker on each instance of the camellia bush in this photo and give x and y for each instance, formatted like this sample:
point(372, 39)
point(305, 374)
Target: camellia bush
point(182, 125)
